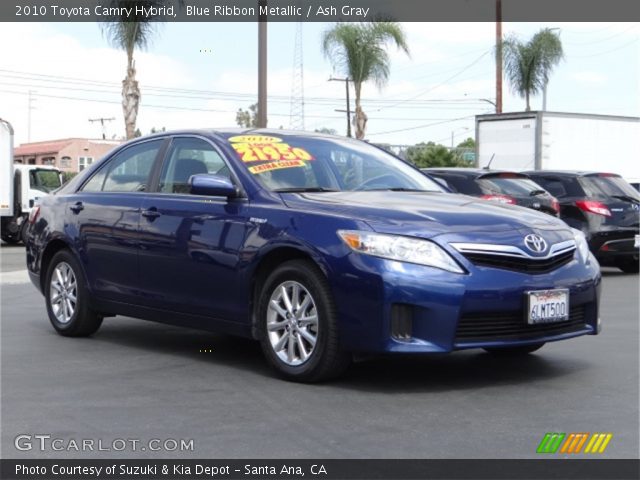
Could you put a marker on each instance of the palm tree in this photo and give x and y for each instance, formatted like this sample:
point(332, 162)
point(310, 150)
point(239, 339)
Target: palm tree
point(359, 51)
point(129, 33)
point(528, 65)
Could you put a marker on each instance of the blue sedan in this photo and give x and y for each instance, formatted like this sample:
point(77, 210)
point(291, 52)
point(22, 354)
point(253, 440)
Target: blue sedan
point(317, 246)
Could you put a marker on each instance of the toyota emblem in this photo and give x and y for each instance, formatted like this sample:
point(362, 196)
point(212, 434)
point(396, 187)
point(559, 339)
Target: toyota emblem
point(535, 243)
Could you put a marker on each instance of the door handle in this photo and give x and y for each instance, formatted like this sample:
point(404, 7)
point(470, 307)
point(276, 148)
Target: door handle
point(151, 213)
point(76, 207)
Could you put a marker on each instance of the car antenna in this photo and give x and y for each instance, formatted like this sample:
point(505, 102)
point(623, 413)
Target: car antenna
point(488, 165)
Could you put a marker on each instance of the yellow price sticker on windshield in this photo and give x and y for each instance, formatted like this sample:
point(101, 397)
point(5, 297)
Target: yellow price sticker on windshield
point(255, 139)
point(268, 152)
point(267, 167)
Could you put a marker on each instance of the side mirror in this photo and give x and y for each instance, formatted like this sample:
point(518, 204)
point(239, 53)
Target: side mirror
point(212, 185)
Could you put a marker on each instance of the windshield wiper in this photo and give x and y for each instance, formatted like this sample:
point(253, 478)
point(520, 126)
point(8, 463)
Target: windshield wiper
point(535, 193)
point(626, 198)
point(304, 190)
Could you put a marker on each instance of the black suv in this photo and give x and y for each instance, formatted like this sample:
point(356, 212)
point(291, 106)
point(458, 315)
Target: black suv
point(605, 207)
point(500, 186)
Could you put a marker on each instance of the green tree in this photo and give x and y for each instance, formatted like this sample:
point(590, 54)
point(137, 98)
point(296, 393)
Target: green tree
point(248, 118)
point(528, 65)
point(425, 155)
point(359, 51)
point(468, 143)
point(128, 33)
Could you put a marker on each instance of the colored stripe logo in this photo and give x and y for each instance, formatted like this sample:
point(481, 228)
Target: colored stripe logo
point(572, 443)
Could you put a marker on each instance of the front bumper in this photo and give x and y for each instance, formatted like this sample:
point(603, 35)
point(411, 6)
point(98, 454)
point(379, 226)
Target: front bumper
point(388, 306)
point(609, 247)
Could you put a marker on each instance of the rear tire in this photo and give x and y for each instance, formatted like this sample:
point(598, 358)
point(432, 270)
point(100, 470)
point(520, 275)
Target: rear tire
point(24, 232)
point(514, 351)
point(629, 266)
point(67, 298)
point(297, 324)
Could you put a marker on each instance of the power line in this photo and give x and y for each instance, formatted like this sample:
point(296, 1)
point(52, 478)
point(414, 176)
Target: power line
point(189, 93)
point(615, 35)
point(423, 126)
point(172, 107)
point(440, 84)
point(635, 40)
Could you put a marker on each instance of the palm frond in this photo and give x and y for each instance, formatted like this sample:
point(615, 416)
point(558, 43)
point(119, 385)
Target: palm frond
point(359, 50)
point(527, 66)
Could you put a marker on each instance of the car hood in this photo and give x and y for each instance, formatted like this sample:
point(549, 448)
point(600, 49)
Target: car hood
point(424, 214)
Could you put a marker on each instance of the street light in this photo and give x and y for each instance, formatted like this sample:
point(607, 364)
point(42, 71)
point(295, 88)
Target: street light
point(463, 129)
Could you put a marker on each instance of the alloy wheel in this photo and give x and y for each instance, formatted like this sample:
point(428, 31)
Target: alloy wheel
point(63, 293)
point(292, 323)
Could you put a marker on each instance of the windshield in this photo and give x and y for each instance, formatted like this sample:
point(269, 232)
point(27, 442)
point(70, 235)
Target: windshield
point(608, 186)
point(298, 163)
point(510, 186)
point(44, 180)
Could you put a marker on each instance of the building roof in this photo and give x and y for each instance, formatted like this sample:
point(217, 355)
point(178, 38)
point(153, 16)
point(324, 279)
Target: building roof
point(54, 146)
point(40, 148)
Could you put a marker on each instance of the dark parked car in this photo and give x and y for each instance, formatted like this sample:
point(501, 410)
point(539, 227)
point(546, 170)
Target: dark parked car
point(605, 207)
point(315, 245)
point(499, 186)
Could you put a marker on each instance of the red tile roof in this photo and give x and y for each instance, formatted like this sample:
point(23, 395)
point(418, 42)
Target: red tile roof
point(41, 148)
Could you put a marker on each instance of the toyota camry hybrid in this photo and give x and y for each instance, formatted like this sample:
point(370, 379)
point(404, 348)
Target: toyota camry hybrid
point(317, 246)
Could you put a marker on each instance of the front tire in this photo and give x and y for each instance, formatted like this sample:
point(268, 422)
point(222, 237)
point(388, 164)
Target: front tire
point(514, 351)
point(297, 324)
point(67, 298)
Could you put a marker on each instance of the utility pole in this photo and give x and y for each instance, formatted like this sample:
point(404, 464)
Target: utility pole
point(102, 120)
point(498, 56)
point(346, 81)
point(262, 67)
point(29, 108)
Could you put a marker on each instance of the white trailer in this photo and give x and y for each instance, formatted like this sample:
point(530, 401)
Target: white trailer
point(559, 141)
point(20, 188)
point(6, 169)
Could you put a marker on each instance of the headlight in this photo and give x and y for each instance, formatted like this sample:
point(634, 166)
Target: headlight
point(581, 245)
point(402, 249)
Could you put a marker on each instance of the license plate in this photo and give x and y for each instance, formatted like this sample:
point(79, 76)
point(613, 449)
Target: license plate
point(636, 242)
point(548, 306)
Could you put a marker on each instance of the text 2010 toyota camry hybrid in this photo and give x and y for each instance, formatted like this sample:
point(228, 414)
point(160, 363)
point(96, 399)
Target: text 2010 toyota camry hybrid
point(319, 247)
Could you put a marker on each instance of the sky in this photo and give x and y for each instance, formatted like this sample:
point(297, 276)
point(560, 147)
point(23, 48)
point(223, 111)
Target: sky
point(199, 74)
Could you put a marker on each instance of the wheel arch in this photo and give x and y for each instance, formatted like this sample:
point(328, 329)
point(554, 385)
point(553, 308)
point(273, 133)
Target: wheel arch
point(267, 263)
point(53, 247)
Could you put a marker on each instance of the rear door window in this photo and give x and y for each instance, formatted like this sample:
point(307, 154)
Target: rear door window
point(128, 171)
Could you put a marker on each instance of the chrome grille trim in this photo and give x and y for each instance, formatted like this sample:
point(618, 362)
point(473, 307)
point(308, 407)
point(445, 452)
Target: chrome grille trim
point(513, 251)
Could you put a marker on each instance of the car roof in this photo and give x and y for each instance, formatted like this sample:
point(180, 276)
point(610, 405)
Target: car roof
point(469, 172)
point(568, 173)
point(224, 132)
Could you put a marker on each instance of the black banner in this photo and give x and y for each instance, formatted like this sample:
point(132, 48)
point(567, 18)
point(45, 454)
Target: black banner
point(320, 10)
point(583, 469)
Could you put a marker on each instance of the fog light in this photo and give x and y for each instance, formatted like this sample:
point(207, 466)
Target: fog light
point(401, 322)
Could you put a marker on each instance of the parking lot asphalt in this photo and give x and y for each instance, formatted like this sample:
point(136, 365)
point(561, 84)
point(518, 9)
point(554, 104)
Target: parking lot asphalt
point(140, 380)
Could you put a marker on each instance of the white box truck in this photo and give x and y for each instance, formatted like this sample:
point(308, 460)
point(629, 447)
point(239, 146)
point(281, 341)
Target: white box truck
point(6, 166)
point(20, 188)
point(559, 141)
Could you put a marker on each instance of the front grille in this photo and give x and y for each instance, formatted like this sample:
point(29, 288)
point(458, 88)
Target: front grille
point(520, 264)
point(493, 326)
